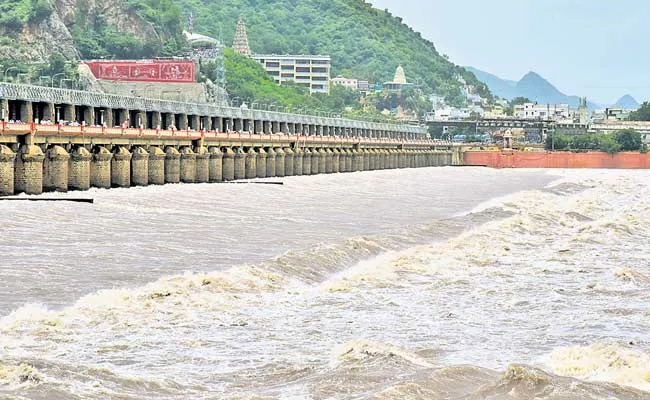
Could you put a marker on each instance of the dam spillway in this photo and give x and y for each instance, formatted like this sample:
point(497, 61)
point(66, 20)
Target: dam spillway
point(58, 140)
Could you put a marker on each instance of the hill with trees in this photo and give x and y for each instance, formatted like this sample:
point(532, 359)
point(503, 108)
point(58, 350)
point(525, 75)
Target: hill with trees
point(364, 42)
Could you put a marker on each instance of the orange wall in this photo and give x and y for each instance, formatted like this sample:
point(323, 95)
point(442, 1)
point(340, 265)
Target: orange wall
point(517, 159)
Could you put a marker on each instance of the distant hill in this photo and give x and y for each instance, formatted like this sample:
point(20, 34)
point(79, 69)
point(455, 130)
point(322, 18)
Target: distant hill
point(627, 102)
point(532, 86)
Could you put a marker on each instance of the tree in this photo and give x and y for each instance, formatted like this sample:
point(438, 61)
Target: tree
point(642, 114)
point(557, 141)
point(629, 140)
point(609, 145)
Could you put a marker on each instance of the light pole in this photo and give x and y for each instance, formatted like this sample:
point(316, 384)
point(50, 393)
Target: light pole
point(63, 80)
point(7, 71)
point(24, 74)
point(40, 79)
point(54, 77)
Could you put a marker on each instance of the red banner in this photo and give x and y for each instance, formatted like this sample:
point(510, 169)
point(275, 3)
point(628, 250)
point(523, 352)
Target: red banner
point(144, 71)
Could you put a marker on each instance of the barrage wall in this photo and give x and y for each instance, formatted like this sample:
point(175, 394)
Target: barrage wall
point(516, 159)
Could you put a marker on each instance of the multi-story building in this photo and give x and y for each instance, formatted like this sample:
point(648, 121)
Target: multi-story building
point(542, 111)
point(312, 72)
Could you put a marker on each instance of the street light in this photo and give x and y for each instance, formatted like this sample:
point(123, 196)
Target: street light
point(7, 71)
point(63, 80)
point(54, 77)
point(40, 79)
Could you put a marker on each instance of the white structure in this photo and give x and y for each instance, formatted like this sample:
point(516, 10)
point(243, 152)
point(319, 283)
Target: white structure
point(349, 83)
point(312, 72)
point(448, 114)
point(542, 111)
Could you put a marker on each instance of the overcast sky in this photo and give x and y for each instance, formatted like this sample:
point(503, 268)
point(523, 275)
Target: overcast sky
point(594, 48)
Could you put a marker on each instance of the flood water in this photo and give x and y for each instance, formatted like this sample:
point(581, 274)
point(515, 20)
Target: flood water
point(433, 283)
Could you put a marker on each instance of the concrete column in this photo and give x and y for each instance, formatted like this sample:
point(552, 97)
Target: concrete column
point(4, 112)
point(349, 160)
point(306, 162)
point(288, 161)
point(336, 160)
point(297, 161)
point(228, 164)
point(202, 165)
point(315, 161)
point(240, 163)
point(270, 163)
point(366, 159)
point(121, 167)
point(69, 112)
point(322, 166)
point(28, 175)
point(26, 111)
point(156, 120)
point(172, 165)
point(108, 117)
point(188, 165)
point(100, 168)
point(156, 166)
point(183, 122)
point(251, 164)
point(55, 169)
point(277, 127)
point(372, 160)
point(139, 167)
point(216, 164)
point(258, 127)
point(329, 161)
point(279, 162)
point(261, 163)
point(89, 115)
point(7, 157)
point(356, 161)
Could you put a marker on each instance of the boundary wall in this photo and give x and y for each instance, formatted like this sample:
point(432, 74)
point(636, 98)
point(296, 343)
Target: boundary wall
point(517, 159)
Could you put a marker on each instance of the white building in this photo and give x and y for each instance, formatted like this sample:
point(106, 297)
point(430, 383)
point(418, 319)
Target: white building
point(312, 72)
point(349, 83)
point(542, 111)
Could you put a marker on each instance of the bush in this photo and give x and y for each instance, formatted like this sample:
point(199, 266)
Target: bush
point(41, 9)
point(608, 144)
point(557, 141)
point(629, 139)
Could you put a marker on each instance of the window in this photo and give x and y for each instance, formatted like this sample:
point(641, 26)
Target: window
point(273, 64)
point(303, 69)
point(319, 70)
point(287, 67)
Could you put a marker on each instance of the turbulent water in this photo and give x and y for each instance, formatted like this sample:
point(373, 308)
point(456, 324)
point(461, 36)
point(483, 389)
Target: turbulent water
point(438, 283)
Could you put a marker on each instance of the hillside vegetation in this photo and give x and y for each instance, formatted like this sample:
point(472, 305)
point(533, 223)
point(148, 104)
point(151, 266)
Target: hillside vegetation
point(364, 42)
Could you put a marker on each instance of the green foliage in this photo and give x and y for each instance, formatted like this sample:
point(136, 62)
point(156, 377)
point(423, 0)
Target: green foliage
point(365, 42)
point(642, 114)
point(517, 101)
point(40, 9)
point(629, 139)
point(557, 141)
point(608, 144)
point(167, 19)
point(625, 140)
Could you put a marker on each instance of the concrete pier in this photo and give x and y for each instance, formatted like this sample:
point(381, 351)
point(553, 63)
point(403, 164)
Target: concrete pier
point(261, 163)
point(298, 155)
point(366, 159)
point(188, 165)
point(7, 159)
point(270, 163)
point(288, 161)
point(172, 165)
point(100, 168)
point(315, 161)
point(279, 162)
point(306, 162)
point(121, 167)
point(251, 164)
point(202, 164)
point(79, 169)
point(336, 154)
point(228, 165)
point(55, 169)
point(349, 160)
point(29, 170)
point(156, 166)
point(240, 164)
point(139, 167)
point(216, 164)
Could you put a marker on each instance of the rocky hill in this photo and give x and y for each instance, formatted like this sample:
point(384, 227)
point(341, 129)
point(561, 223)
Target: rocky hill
point(364, 42)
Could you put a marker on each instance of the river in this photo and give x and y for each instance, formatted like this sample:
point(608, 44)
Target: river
point(433, 283)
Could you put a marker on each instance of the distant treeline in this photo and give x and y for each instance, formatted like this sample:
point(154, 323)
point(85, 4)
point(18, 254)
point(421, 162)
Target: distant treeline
point(625, 140)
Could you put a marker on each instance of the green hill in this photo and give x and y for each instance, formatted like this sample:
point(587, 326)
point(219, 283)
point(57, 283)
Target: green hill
point(364, 42)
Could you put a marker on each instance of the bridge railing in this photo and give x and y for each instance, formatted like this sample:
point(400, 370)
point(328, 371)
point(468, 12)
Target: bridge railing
point(12, 91)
